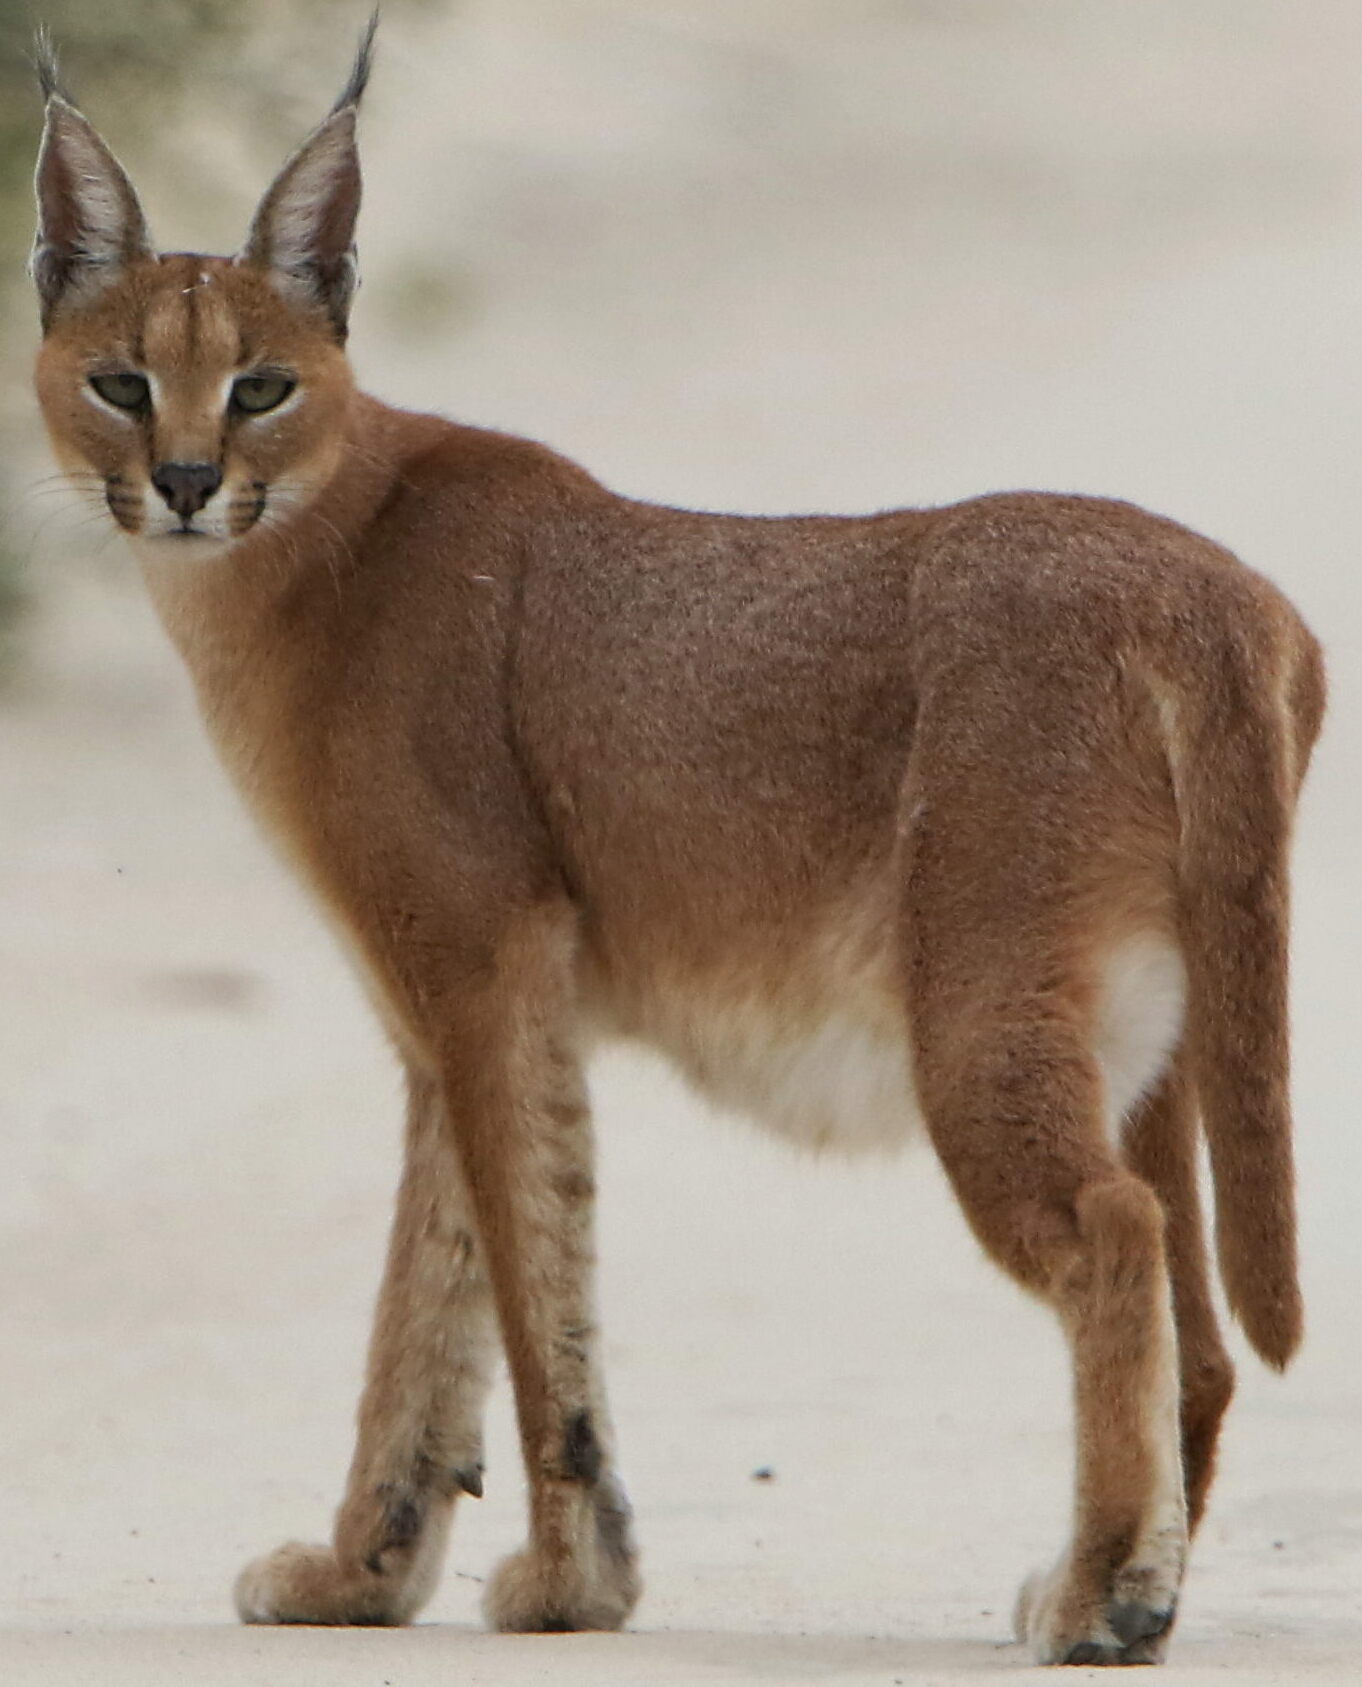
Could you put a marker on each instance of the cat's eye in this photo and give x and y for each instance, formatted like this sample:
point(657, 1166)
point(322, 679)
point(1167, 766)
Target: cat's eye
point(124, 389)
point(257, 393)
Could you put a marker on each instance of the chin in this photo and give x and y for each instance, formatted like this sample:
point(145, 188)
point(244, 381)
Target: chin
point(173, 545)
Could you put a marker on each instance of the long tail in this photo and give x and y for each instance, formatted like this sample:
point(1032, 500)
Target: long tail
point(1239, 738)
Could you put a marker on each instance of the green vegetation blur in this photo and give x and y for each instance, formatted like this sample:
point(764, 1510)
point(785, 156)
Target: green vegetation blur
point(148, 73)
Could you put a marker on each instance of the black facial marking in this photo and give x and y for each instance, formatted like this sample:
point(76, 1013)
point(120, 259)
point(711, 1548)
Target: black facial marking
point(125, 505)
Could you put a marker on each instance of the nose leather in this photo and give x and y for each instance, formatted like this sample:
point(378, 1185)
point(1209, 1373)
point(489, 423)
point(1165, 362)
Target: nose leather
point(186, 487)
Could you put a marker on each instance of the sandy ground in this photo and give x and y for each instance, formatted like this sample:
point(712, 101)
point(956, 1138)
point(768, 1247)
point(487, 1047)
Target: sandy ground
point(806, 255)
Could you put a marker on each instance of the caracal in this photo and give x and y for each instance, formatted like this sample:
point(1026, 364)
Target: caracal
point(968, 821)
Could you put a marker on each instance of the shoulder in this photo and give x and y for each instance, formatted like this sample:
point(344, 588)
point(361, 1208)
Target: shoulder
point(433, 456)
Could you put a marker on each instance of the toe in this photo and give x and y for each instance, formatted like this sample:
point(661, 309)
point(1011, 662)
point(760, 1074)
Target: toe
point(1132, 1622)
point(298, 1583)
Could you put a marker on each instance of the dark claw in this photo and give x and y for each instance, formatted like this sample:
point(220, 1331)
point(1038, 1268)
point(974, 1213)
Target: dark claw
point(1089, 1652)
point(1130, 1621)
point(470, 1480)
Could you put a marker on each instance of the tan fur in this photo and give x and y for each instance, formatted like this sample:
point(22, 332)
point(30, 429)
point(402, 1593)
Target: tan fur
point(976, 817)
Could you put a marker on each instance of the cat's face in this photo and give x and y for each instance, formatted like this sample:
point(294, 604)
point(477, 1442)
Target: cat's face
point(202, 399)
point(194, 400)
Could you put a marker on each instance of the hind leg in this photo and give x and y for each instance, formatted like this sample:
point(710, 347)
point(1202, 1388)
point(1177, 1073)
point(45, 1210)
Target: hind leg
point(1112, 1597)
point(1016, 1122)
point(1001, 1012)
point(1159, 1145)
point(420, 1422)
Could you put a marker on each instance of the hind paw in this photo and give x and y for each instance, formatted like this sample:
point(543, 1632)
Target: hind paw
point(1129, 1622)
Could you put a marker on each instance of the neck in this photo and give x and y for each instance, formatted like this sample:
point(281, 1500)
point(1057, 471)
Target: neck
point(218, 609)
point(259, 622)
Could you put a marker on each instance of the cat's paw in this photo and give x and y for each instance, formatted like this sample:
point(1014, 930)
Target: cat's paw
point(528, 1596)
point(1128, 1622)
point(298, 1583)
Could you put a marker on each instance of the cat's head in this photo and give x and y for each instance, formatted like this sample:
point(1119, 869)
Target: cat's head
point(199, 396)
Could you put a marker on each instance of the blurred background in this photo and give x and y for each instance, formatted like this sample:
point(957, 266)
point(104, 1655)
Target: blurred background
point(765, 255)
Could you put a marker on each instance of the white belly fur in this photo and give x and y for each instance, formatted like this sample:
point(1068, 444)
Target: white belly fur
point(840, 1083)
point(833, 1070)
point(817, 1051)
point(1141, 1007)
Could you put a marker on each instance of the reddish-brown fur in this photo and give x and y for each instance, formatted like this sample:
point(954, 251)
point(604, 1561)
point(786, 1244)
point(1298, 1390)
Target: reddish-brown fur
point(809, 802)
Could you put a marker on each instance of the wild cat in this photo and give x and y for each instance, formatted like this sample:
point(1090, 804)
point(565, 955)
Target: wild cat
point(970, 820)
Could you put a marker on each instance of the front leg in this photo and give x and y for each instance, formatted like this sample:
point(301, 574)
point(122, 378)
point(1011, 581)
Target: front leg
point(420, 1420)
point(518, 1107)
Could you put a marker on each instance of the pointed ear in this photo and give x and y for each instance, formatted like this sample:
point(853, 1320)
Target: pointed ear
point(89, 222)
point(304, 231)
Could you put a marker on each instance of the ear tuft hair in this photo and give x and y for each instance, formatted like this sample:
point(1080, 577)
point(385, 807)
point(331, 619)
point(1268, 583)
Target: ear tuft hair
point(45, 63)
point(303, 234)
point(353, 91)
point(90, 225)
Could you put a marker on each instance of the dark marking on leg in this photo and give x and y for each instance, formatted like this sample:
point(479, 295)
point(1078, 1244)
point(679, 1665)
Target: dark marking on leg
point(574, 1185)
point(614, 1521)
point(404, 1517)
point(581, 1450)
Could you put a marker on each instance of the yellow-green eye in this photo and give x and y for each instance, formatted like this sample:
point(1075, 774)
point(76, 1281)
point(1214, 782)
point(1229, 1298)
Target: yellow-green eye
point(254, 393)
point(127, 391)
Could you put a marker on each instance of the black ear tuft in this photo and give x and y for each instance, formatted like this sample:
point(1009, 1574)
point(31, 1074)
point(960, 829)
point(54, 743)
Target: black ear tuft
point(45, 63)
point(303, 234)
point(90, 225)
point(353, 91)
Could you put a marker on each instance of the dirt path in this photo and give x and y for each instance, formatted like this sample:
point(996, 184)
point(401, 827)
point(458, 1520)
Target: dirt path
point(819, 256)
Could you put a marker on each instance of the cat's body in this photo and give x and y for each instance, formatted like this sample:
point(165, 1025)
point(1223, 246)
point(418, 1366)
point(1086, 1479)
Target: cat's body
point(968, 821)
point(778, 994)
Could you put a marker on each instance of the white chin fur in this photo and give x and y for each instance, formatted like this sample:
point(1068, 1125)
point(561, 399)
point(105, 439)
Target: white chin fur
point(164, 530)
point(169, 545)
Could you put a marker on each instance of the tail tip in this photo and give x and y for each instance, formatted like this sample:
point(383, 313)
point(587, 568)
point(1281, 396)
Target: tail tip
point(1275, 1331)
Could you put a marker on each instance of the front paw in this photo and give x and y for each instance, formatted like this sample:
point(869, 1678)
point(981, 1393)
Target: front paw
point(1065, 1623)
point(297, 1583)
point(528, 1596)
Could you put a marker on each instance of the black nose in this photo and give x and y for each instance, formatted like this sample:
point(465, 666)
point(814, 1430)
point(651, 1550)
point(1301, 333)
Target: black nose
point(186, 487)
